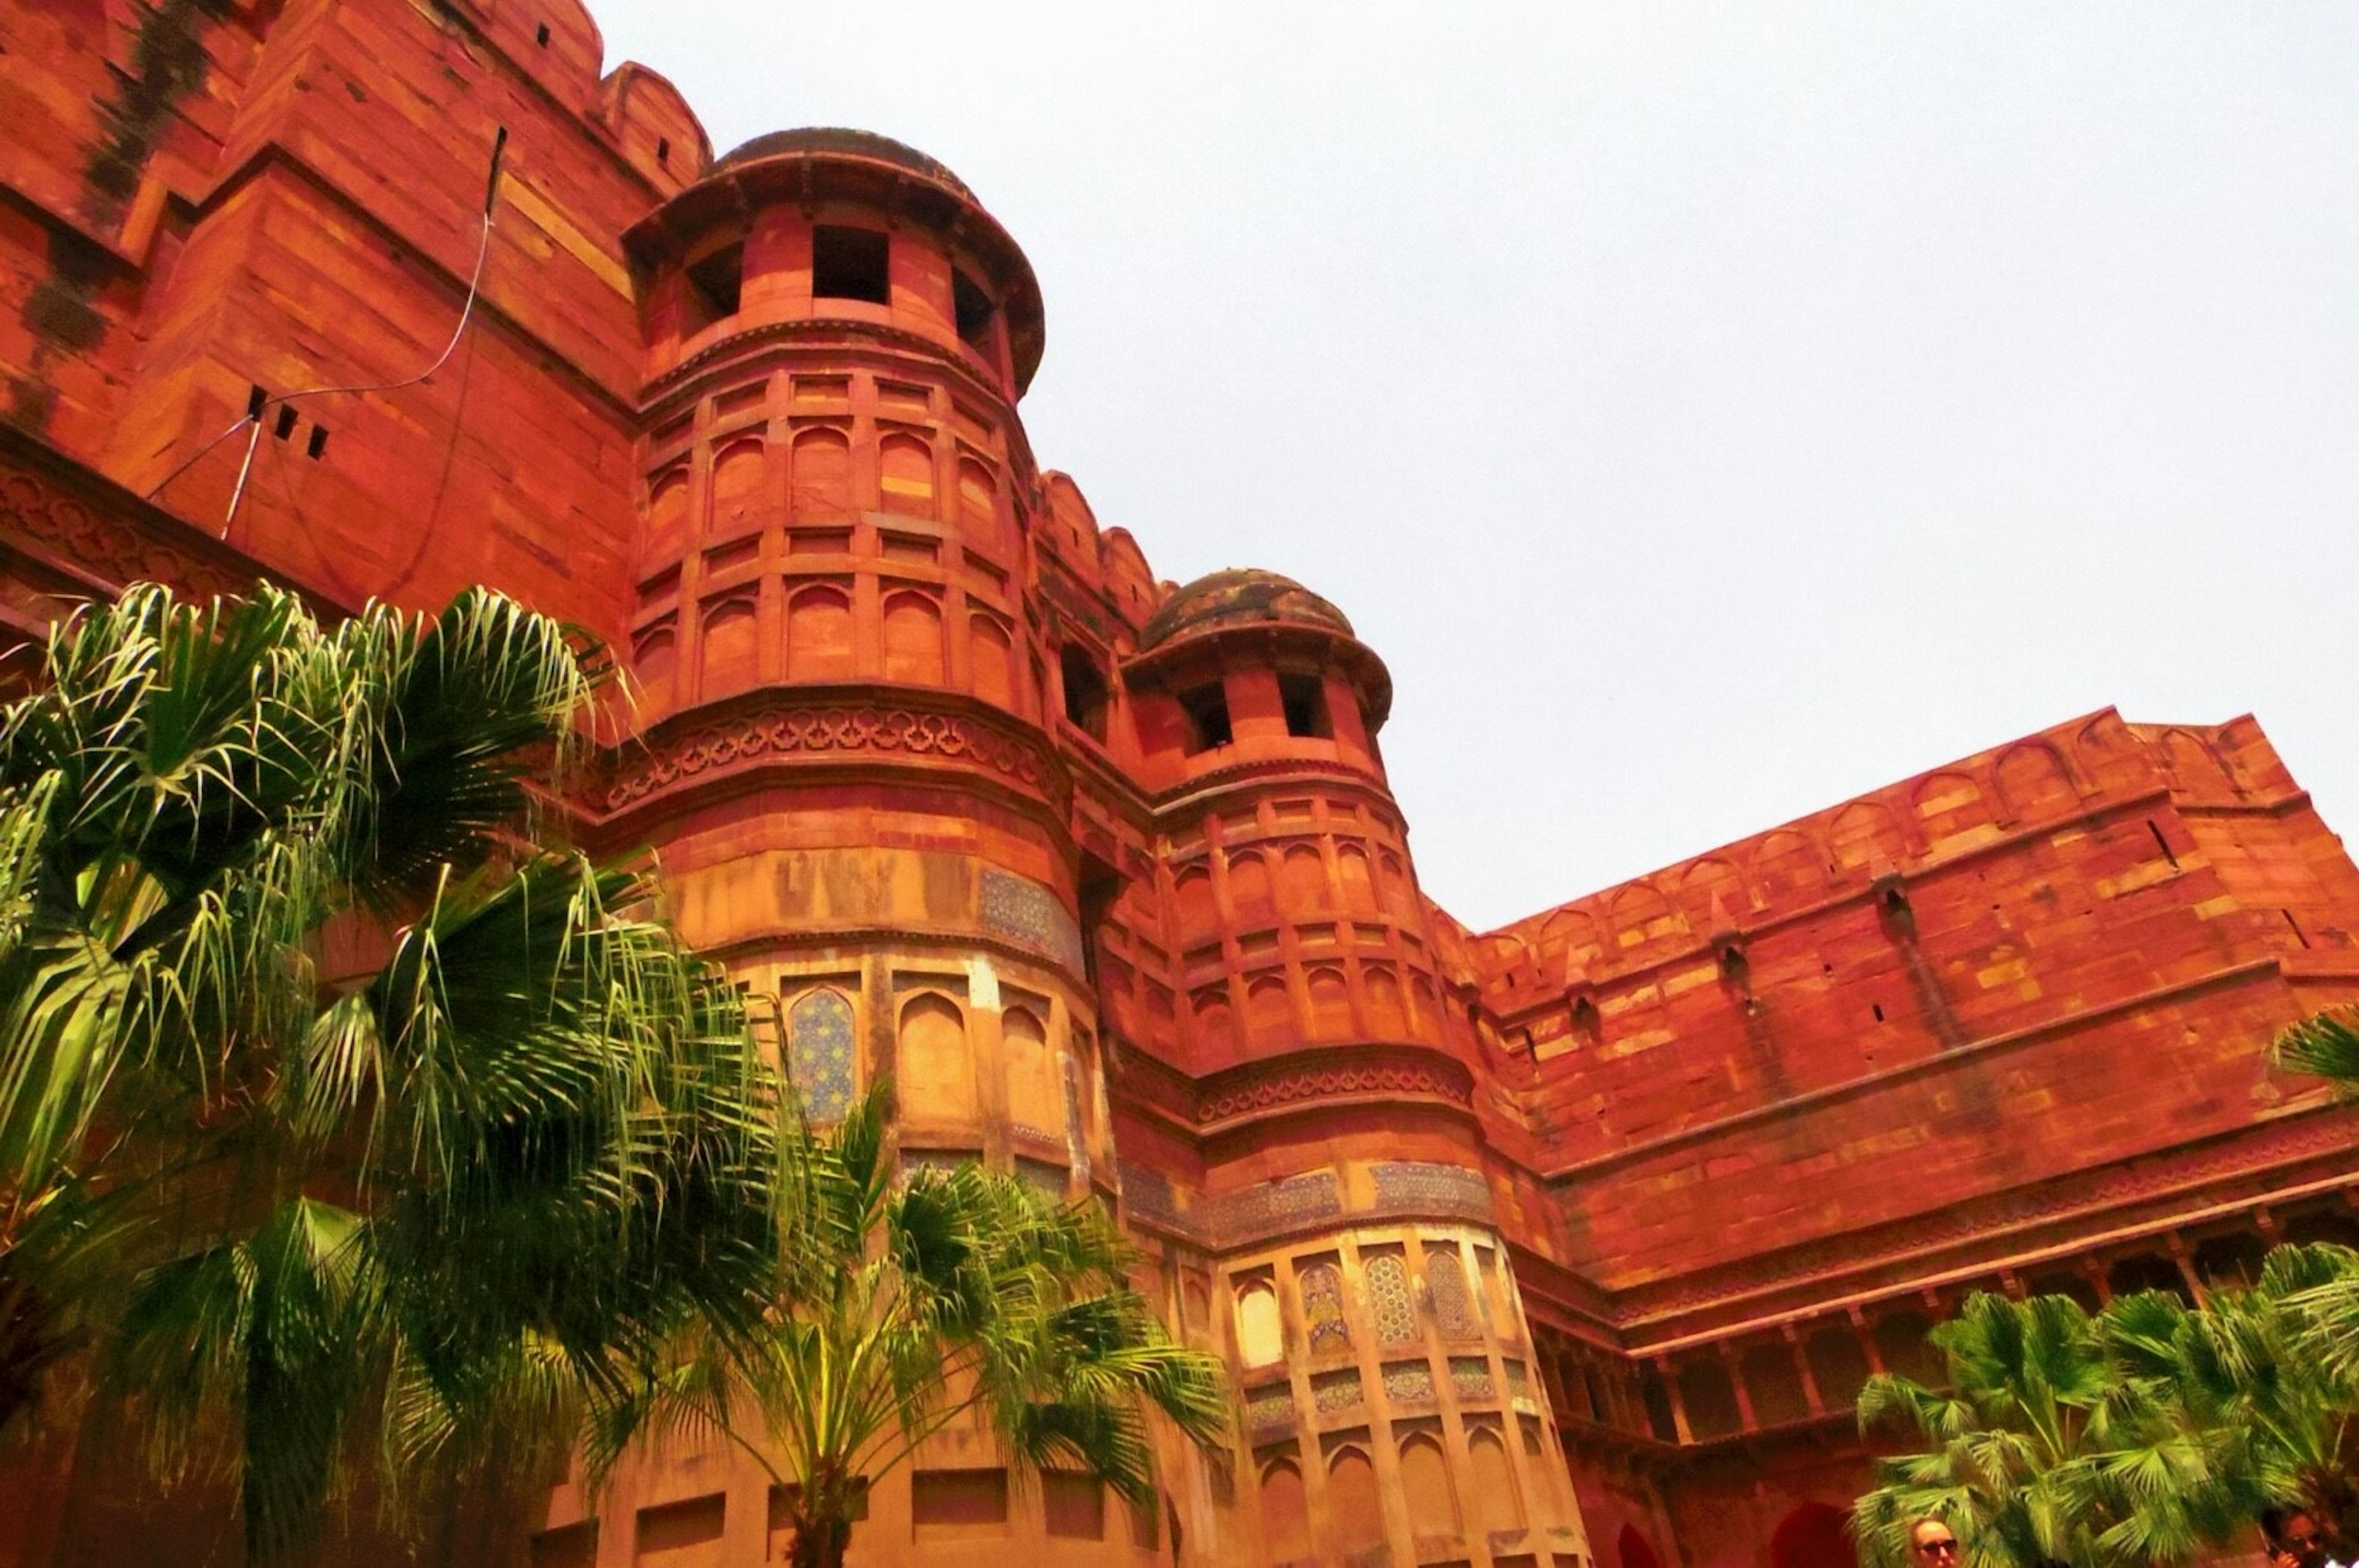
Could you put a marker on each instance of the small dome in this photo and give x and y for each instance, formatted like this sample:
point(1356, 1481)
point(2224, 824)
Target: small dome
point(851, 143)
point(1238, 597)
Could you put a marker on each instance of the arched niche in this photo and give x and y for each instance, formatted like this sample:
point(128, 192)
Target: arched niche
point(819, 634)
point(1498, 1503)
point(913, 639)
point(904, 475)
point(1354, 1508)
point(1815, 1535)
point(936, 1071)
point(819, 475)
point(1032, 1097)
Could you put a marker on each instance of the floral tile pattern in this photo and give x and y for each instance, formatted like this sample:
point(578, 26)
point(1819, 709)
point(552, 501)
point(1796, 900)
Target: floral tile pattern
point(1445, 1286)
point(1389, 1300)
point(1323, 1309)
point(819, 1054)
point(1409, 1383)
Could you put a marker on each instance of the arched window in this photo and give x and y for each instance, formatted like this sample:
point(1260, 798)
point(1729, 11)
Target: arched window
point(1261, 1339)
point(819, 1054)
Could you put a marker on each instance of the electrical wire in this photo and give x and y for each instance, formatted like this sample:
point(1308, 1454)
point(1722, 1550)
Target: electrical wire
point(253, 414)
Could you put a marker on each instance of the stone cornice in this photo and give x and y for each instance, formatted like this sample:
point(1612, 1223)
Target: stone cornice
point(741, 741)
point(95, 533)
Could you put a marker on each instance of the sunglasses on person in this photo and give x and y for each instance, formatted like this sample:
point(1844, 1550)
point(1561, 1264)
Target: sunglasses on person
point(1945, 1547)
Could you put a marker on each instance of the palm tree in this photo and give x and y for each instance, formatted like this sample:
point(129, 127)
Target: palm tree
point(2243, 1371)
point(905, 1302)
point(2043, 1448)
point(336, 1115)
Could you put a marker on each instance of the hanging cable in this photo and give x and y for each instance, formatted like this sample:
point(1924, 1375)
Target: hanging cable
point(262, 405)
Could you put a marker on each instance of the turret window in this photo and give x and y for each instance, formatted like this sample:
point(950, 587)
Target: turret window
point(850, 264)
point(715, 284)
point(973, 309)
point(1085, 691)
point(1304, 698)
point(1206, 709)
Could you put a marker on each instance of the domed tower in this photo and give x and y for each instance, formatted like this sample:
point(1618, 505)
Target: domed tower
point(838, 757)
point(1344, 1198)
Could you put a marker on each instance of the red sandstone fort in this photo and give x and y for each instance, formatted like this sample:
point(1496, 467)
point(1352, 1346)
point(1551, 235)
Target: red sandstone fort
point(1568, 1243)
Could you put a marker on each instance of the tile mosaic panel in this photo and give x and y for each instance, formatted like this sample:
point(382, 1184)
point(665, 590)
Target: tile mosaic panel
point(1409, 1383)
point(1445, 1287)
point(1432, 1189)
point(1332, 1391)
point(1323, 1309)
point(819, 1054)
point(1470, 1378)
point(1270, 1406)
point(1275, 1205)
point(1148, 1193)
point(1030, 915)
point(1389, 1307)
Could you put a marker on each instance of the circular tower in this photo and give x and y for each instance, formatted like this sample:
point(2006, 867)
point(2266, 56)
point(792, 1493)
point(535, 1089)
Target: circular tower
point(1344, 1203)
point(838, 753)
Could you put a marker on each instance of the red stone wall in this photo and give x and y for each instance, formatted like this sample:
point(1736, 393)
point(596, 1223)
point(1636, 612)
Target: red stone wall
point(1743, 1127)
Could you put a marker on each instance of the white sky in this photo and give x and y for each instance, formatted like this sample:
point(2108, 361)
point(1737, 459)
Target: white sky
point(1710, 413)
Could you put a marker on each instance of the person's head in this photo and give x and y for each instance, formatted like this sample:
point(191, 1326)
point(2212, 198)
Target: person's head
point(2295, 1530)
point(1931, 1544)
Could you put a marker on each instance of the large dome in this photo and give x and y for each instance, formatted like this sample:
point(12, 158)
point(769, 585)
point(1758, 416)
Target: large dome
point(1238, 597)
point(851, 143)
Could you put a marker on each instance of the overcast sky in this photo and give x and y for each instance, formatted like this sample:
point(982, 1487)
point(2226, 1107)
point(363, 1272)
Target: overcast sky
point(1709, 413)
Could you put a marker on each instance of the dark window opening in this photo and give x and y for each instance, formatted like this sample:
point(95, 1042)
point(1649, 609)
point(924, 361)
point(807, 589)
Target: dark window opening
point(848, 264)
point(257, 400)
point(972, 309)
point(1304, 699)
point(540, 35)
point(285, 425)
point(1877, 1008)
point(1085, 691)
point(663, 150)
point(2162, 843)
point(317, 447)
point(1207, 711)
point(717, 284)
